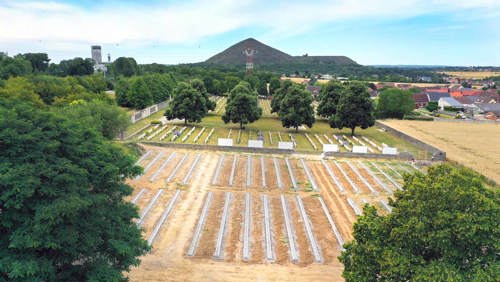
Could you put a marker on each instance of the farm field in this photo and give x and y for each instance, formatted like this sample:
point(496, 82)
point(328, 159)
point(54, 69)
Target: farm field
point(472, 74)
point(241, 217)
point(474, 145)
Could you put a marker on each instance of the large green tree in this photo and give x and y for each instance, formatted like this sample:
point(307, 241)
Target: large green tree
point(394, 103)
point(63, 213)
point(39, 61)
point(139, 95)
point(199, 86)
point(354, 108)
point(329, 98)
point(20, 88)
point(274, 84)
point(296, 108)
point(76, 66)
point(279, 94)
point(187, 104)
point(242, 105)
point(443, 227)
point(124, 66)
point(105, 117)
point(16, 66)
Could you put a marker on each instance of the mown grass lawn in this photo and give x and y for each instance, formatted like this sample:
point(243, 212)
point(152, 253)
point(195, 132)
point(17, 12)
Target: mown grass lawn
point(273, 124)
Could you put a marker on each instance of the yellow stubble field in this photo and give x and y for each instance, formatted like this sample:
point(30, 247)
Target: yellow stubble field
point(474, 145)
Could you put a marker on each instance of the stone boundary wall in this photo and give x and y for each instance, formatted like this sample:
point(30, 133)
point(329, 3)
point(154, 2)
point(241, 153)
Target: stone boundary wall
point(437, 155)
point(275, 151)
point(400, 156)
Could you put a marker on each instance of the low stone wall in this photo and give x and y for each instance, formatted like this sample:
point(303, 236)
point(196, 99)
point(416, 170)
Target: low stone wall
point(401, 156)
point(437, 155)
point(220, 148)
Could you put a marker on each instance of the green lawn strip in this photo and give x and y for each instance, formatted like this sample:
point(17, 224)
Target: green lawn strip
point(274, 125)
point(302, 142)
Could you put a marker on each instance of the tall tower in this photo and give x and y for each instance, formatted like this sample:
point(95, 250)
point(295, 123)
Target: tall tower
point(249, 52)
point(96, 54)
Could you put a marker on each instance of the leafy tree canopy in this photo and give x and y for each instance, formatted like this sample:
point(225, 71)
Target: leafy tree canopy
point(76, 66)
point(39, 61)
point(329, 98)
point(354, 108)
point(16, 66)
point(63, 217)
point(187, 104)
point(443, 227)
point(242, 105)
point(105, 117)
point(199, 86)
point(274, 84)
point(139, 94)
point(279, 94)
point(125, 66)
point(394, 103)
point(296, 108)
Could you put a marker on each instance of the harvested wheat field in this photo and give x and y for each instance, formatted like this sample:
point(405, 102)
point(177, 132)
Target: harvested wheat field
point(472, 74)
point(474, 145)
point(220, 216)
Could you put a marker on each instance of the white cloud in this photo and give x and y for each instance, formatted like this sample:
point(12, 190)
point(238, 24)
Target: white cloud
point(62, 26)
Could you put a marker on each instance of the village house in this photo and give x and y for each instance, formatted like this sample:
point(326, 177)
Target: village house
point(421, 100)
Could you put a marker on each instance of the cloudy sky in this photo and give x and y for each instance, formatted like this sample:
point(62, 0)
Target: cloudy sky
point(432, 32)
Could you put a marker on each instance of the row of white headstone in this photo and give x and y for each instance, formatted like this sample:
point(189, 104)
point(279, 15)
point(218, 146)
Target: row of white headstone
point(289, 146)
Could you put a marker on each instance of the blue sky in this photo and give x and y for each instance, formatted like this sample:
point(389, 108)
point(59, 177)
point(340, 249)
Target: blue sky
point(434, 32)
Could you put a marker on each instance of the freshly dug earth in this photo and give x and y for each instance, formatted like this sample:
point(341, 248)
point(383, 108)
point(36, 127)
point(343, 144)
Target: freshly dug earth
point(168, 260)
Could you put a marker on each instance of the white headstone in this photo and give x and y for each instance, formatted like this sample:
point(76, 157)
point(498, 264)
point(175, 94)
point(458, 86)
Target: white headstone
point(225, 142)
point(330, 148)
point(389, 151)
point(360, 149)
point(163, 120)
point(285, 145)
point(255, 143)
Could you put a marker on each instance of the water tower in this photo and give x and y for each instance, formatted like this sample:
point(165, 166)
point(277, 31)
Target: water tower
point(96, 54)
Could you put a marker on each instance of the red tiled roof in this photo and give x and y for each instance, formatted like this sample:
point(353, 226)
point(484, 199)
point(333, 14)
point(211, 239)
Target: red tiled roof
point(472, 92)
point(420, 98)
point(437, 89)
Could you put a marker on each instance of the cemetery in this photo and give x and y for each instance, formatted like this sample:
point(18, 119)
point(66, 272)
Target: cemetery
point(254, 208)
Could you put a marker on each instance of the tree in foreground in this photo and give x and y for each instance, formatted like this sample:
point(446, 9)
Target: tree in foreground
point(296, 108)
point(355, 108)
point(187, 104)
point(242, 106)
point(63, 214)
point(443, 227)
point(394, 103)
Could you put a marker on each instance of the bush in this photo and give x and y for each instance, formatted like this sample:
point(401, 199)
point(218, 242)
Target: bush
point(415, 116)
point(154, 122)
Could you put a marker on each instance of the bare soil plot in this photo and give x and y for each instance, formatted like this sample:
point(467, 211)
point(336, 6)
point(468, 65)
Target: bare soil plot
point(168, 260)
